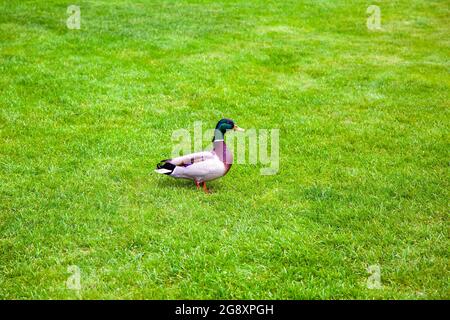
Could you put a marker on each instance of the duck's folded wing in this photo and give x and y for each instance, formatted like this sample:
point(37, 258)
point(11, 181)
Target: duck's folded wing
point(204, 170)
point(192, 158)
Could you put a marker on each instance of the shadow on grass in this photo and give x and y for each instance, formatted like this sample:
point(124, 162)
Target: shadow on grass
point(172, 184)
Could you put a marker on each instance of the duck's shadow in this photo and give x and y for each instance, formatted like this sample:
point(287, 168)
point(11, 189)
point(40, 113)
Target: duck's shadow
point(181, 184)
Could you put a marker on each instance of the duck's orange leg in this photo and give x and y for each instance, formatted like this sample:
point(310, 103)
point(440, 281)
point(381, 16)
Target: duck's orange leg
point(205, 188)
point(197, 184)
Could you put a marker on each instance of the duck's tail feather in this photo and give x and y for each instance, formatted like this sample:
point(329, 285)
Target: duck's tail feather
point(165, 167)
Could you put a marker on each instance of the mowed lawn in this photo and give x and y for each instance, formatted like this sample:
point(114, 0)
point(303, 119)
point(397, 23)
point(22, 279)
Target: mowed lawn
point(363, 115)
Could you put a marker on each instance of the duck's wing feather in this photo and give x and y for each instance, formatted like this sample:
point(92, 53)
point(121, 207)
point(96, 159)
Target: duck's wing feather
point(192, 158)
point(200, 166)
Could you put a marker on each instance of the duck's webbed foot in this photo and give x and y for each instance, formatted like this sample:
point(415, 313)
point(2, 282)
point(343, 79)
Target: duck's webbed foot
point(205, 188)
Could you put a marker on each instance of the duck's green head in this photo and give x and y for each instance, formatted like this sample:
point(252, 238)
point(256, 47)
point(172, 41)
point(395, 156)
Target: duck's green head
point(222, 126)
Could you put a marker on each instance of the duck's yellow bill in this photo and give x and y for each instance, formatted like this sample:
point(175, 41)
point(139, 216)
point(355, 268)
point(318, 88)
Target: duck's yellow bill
point(236, 128)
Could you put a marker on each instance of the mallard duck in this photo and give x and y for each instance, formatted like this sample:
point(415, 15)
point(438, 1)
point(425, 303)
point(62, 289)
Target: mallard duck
point(206, 165)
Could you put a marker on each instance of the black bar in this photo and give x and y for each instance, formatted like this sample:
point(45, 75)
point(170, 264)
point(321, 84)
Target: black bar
point(222, 309)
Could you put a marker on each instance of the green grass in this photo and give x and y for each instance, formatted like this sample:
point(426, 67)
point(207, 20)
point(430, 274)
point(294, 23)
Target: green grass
point(364, 149)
